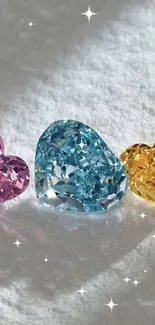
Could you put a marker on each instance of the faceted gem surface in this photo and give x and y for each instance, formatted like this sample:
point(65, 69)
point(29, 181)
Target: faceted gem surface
point(76, 170)
point(14, 175)
point(139, 161)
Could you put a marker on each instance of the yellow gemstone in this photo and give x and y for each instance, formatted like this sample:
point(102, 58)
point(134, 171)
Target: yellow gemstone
point(139, 161)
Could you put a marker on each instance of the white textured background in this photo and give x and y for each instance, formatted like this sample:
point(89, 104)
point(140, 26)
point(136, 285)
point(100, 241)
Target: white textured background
point(103, 74)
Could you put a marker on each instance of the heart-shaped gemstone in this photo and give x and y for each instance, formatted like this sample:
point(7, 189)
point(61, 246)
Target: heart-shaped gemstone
point(14, 175)
point(139, 161)
point(76, 170)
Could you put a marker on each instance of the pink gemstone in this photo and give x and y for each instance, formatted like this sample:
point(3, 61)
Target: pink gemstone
point(14, 176)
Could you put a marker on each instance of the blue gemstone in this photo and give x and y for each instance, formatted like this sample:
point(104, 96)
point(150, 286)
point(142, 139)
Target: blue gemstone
point(76, 170)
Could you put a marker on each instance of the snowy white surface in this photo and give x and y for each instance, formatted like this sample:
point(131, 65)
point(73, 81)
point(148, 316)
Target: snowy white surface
point(103, 74)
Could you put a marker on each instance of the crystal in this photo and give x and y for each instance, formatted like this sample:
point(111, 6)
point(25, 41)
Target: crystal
point(14, 175)
point(139, 161)
point(76, 170)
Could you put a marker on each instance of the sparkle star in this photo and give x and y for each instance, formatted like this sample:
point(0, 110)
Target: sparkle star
point(46, 259)
point(136, 282)
point(82, 291)
point(89, 13)
point(81, 145)
point(30, 24)
point(142, 215)
point(17, 243)
point(127, 279)
point(111, 305)
point(153, 236)
point(145, 271)
point(116, 164)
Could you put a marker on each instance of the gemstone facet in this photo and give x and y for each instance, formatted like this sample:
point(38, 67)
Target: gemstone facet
point(76, 170)
point(14, 175)
point(139, 161)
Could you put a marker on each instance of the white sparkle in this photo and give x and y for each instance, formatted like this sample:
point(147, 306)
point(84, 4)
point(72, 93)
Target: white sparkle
point(136, 282)
point(81, 145)
point(145, 271)
point(127, 279)
point(82, 291)
point(111, 304)
point(89, 13)
point(46, 259)
point(17, 243)
point(153, 236)
point(30, 24)
point(116, 164)
point(142, 215)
